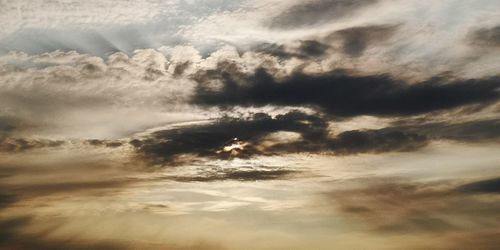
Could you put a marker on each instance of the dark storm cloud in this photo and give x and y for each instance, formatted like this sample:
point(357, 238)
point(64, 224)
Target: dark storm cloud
point(20, 145)
point(356, 142)
point(316, 12)
point(356, 40)
point(419, 207)
point(208, 140)
point(342, 94)
point(306, 50)
point(486, 36)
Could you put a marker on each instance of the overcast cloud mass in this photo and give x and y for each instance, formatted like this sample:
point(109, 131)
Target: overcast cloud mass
point(250, 124)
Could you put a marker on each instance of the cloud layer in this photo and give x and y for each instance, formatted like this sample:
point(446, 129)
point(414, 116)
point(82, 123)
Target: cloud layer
point(358, 124)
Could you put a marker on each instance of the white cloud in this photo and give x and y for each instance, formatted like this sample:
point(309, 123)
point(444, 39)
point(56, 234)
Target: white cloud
point(54, 13)
point(76, 95)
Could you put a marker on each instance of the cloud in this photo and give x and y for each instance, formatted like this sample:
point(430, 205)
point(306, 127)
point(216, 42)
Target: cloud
point(56, 180)
point(227, 136)
point(486, 239)
point(75, 13)
point(244, 137)
point(7, 125)
point(20, 145)
point(470, 131)
point(259, 174)
point(68, 172)
point(486, 37)
point(15, 234)
point(307, 49)
point(99, 28)
point(6, 200)
point(342, 94)
point(181, 67)
point(356, 40)
point(76, 187)
point(312, 48)
point(419, 207)
point(485, 186)
point(98, 97)
point(13, 237)
point(105, 143)
point(356, 141)
point(316, 12)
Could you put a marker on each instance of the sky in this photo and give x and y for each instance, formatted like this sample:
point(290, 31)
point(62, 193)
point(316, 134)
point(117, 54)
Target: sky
point(249, 124)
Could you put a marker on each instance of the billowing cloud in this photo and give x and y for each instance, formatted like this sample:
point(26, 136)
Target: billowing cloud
point(95, 91)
